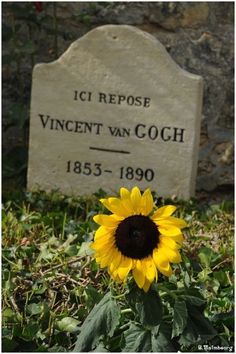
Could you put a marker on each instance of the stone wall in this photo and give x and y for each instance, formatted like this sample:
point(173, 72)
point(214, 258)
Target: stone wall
point(198, 35)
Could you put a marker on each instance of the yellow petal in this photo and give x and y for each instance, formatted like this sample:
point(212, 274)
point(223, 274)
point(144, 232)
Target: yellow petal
point(150, 268)
point(114, 275)
point(146, 202)
point(169, 242)
point(110, 221)
point(103, 246)
point(146, 285)
point(126, 201)
point(106, 203)
point(104, 238)
point(116, 259)
point(171, 220)
point(124, 193)
point(134, 263)
point(126, 207)
point(164, 211)
point(124, 267)
point(101, 231)
point(173, 255)
point(138, 275)
point(177, 238)
point(112, 268)
point(136, 200)
point(105, 259)
point(168, 230)
point(162, 262)
point(116, 206)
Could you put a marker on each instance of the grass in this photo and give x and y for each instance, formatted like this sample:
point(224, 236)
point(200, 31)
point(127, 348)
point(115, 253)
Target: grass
point(51, 282)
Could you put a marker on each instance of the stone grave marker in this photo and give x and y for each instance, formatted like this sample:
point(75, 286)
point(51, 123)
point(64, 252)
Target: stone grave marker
point(114, 110)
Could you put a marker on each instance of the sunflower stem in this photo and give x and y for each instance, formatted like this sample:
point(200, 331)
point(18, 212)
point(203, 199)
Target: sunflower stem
point(117, 297)
point(126, 311)
point(166, 291)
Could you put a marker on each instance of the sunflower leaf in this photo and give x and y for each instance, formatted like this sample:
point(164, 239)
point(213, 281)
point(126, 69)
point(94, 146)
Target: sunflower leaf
point(161, 341)
point(193, 297)
point(148, 306)
point(198, 329)
point(180, 318)
point(137, 339)
point(193, 300)
point(102, 320)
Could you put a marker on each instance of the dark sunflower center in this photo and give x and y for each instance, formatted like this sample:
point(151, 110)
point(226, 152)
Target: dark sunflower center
point(137, 236)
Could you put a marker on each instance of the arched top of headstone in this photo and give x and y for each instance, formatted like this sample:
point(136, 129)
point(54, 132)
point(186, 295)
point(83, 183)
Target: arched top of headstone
point(117, 45)
point(114, 110)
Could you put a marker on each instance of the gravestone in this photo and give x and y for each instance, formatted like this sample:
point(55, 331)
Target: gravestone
point(114, 110)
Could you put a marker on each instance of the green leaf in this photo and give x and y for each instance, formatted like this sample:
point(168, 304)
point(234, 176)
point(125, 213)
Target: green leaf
point(187, 279)
point(193, 297)
point(92, 296)
point(8, 315)
point(207, 256)
point(71, 250)
point(193, 300)
point(190, 334)
point(224, 319)
point(8, 345)
point(45, 253)
point(137, 339)
point(148, 306)
point(102, 320)
point(35, 309)
point(30, 331)
point(198, 329)
point(222, 278)
point(161, 342)
point(100, 349)
point(68, 324)
point(180, 318)
point(40, 290)
point(215, 284)
point(204, 275)
point(85, 249)
point(56, 349)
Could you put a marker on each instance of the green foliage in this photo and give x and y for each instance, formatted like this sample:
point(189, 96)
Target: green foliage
point(179, 317)
point(137, 339)
point(148, 306)
point(102, 320)
point(56, 299)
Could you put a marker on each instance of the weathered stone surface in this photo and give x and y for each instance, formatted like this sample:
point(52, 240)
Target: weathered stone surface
point(115, 110)
point(205, 47)
point(169, 15)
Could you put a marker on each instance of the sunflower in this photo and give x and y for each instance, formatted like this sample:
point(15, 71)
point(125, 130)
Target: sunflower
point(136, 238)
